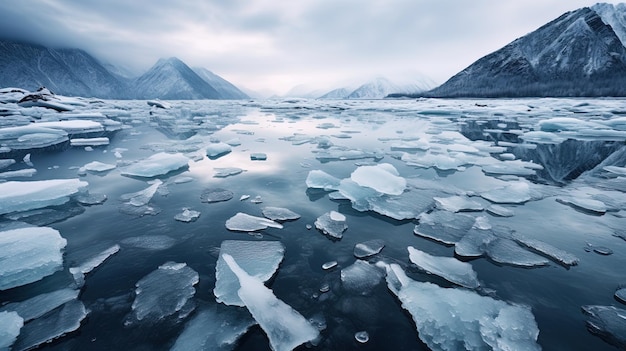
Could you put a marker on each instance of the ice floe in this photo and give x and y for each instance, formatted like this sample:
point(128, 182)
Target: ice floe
point(383, 178)
point(318, 179)
point(156, 165)
point(443, 226)
point(165, 292)
point(10, 325)
point(449, 268)
point(243, 222)
point(458, 204)
point(361, 277)
point(212, 195)
point(187, 215)
point(332, 224)
point(258, 258)
point(27, 195)
point(285, 327)
point(29, 254)
point(39, 305)
point(280, 214)
point(217, 150)
point(226, 172)
point(79, 272)
point(478, 323)
point(608, 322)
point(368, 248)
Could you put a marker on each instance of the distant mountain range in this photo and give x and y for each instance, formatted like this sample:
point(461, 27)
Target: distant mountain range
point(378, 88)
point(581, 53)
point(74, 72)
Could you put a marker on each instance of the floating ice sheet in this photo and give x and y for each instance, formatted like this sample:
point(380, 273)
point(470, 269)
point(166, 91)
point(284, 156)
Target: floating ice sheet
point(449, 268)
point(243, 222)
point(27, 195)
point(553, 253)
point(142, 197)
point(226, 172)
point(585, 204)
point(258, 258)
point(157, 165)
point(79, 272)
point(332, 224)
point(280, 214)
point(361, 277)
point(96, 166)
point(443, 226)
point(368, 248)
point(458, 204)
point(59, 322)
point(512, 193)
point(212, 195)
point(607, 322)
point(29, 254)
point(187, 215)
point(284, 326)
point(383, 178)
point(164, 292)
point(217, 150)
point(41, 304)
point(150, 242)
point(318, 179)
point(10, 325)
point(450, 319)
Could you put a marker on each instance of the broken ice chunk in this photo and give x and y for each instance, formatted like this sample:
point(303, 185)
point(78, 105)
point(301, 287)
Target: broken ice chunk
point(362, 336)
point(553, 253)
point(449, 268)
point(22, 196)
point(98, 167)
point(164, 292)
point(507, 251)
point(449, 319)
point(361, 277)
point(280, 214)
point(243, 222)
point(226, 172)
point(607, 322)
point(157, 165)
point(328, 265)
point(217, 150)
point(368, 248)
point(29, 254)
point(212, 195)
point(41, 304)
point(187, 215)
point(10, 325)
point(91, 199)
point(443, 226)
point(215, 329)
point(332, 224)
point(458, 204)
point(79, 272)
point(89, 141)
point(515, 167)
point(500, 211)
point(258, 156)
point(321, 180)
point(383, 178)
point(142, 197)
point(258, 258)
point(620, 295)
point(61, 321)
point(512, 193)
point(284, 326)
point(584, 204)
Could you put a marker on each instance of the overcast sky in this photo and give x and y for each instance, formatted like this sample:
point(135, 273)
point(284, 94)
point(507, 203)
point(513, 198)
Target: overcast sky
point(277, 44)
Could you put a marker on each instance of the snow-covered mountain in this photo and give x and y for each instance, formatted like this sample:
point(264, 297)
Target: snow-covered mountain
point(172, 79)
point(581, 53)
point(64, 71)
point(226, 89)
point(377, 88)
point(74, 72)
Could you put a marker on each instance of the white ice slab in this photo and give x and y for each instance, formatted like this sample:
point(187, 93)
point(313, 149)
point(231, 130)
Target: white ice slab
point(157, 165)
point(243, 222)
point(449, 268)
point(383, 178)
point(28, 195)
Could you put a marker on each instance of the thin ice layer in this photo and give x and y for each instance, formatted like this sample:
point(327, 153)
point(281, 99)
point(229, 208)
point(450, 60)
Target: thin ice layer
point(79, 272)
point(215, 329)
point(29, 254)
point(449, 268)
point(164, 292)
point(383, 178)
point(280, 214)
point(332, 224)
point(258, 258)
point(453, 319)
point(10, 325)
point(361, 277)
point(61, 321)
point(39, 305)
point(243, 222)
point(23, 196)
point(285, 327)
point(443, 226)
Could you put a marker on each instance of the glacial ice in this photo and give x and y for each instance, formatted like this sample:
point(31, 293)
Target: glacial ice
point(383, 178)
point(361, 277)
point(368, 248)
point(258, 258)
point(156, 165)
point(27, 195)
point(10, 325)
point(453, 319)
point(243, 222)
point(212, 195)
point(39, 305)
point(449, 268)
point(458, 204)
point(214, 329)
point(318, 179)
point(279, 214)
point(164, 292)
point(79, 272)
point(217, 150)
point(29, 254)
point(443, 226)
point(608, 322)
point(332, 224)
point(284, 326)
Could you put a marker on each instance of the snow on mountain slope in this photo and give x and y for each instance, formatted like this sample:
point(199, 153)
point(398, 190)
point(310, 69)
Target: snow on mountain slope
point(614, 16)
point(226, 89)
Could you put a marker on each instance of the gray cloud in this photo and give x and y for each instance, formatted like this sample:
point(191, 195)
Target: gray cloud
point(275, 45)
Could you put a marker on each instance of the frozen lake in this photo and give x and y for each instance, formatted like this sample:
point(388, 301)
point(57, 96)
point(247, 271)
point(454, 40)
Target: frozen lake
point(429, 224)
